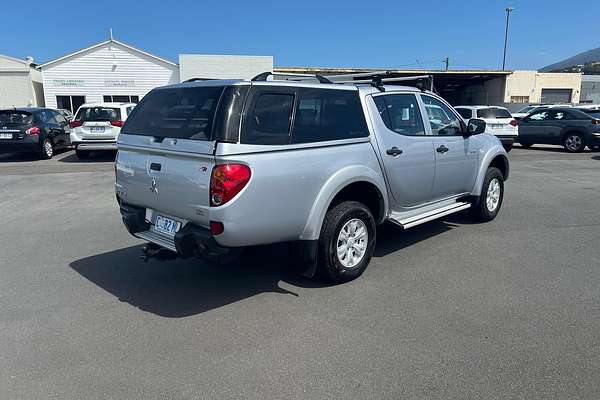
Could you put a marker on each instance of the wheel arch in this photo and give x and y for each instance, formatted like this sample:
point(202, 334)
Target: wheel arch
point(358, 183)
point(496, 159)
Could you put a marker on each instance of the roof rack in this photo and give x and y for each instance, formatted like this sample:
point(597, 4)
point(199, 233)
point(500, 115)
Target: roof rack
point(377, 79)
point(263, 77)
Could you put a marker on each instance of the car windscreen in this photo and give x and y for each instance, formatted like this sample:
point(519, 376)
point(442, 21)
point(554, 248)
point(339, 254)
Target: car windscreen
point(98, 114)
point(176, 112)
point(493, 113)
point(13, 117)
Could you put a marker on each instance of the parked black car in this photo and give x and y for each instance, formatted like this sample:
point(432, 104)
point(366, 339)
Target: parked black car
point(566, 126)
point(33, 130)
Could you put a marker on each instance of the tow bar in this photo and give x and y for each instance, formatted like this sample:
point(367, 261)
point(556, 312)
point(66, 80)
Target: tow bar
point(157, 252)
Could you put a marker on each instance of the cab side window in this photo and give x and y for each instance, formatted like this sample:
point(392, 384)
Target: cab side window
point(442, 120)
point(400, 113)
point(269, 119)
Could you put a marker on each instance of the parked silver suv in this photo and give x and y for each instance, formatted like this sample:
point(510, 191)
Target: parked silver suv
point(206, 167)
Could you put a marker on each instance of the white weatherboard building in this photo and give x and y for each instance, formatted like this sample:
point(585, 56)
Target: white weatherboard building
point(20, 83)
point(107, 71)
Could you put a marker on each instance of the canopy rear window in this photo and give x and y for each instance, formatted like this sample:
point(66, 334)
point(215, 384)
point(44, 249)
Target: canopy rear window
point(15, 117)
point(493, 113)
point(180, 112)
point(98, 114)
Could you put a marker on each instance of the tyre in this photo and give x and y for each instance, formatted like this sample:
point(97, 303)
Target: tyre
point(82, 154)
point(489, 202)
point(574, 142)
point(346, 242)
point(526, 145)
point(47, 149)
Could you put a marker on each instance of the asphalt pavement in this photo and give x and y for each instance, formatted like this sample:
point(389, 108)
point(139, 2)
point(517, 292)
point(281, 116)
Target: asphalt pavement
point(447, 310)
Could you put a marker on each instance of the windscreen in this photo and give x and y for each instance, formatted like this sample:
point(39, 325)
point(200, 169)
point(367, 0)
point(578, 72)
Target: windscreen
point(98, 114)
point(179, 112)
point(493, 113)
point(13, 117)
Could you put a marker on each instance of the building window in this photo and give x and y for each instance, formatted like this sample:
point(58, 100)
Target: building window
point(71, 103)
point(119, 98)
point(519, 99)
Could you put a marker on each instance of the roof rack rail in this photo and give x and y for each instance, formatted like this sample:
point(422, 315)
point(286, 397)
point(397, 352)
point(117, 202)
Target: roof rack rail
point(263, 77)
point(377, 79)
point(199, 79)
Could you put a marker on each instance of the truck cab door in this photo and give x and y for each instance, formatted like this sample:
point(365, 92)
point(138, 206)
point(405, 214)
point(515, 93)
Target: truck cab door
point(404, 148)
point(456, 156)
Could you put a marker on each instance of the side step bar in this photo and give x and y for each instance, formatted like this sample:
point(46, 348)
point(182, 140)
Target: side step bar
point(429, 215)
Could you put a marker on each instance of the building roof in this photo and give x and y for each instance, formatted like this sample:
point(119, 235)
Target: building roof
point(114, 41)
point(352, 70)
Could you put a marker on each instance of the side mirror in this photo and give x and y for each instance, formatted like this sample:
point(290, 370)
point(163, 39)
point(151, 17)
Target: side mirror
point(476, 126)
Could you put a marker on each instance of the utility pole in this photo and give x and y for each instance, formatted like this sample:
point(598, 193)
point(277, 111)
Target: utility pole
point(447, 62)
point(508, 11)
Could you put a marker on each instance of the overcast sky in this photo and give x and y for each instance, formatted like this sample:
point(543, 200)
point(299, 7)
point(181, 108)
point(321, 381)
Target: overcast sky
point(404, 34)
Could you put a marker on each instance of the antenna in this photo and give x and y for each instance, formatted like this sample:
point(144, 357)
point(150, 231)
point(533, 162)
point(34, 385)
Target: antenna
point(110, 32)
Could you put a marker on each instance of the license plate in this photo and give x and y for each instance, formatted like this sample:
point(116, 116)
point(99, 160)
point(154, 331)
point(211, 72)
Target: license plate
point(5, 135)
point(166, 225)
point(496, 126)
point(97, 129)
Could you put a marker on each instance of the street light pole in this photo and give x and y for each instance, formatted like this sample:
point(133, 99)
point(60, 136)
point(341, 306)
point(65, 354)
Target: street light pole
point(508, 11)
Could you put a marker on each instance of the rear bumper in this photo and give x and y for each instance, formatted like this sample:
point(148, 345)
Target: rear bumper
point(95, 146)
point(19, 147)
point(189, 241)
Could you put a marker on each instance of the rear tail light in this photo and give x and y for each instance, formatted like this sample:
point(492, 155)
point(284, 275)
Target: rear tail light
point(513, 122)
point(75, 124)
point(34, 130)
point(116, 123)
point(226, 181)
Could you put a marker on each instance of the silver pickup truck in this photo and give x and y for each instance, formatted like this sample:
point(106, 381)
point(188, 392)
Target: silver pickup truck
point(207, 167)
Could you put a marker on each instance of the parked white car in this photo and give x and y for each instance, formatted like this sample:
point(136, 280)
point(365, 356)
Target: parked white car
point(498, 120)
point(96, 127)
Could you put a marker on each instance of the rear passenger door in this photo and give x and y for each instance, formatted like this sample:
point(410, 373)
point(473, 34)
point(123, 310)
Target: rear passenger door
point(406, 150)
point(532, 128)
point(456, 156)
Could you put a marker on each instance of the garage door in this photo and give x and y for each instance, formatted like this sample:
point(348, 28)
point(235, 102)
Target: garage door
point(556, 95)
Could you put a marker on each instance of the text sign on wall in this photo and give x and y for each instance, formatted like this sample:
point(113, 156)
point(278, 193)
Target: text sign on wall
point(69, 82)
point(119, 83)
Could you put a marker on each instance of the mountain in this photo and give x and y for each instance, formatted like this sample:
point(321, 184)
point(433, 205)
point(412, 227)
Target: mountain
point(586, 57)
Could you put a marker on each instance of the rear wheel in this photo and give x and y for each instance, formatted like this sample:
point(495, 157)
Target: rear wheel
point(82, 154)
point(47, 149)
point(489, 202)
point(574, 142)
point(346, 242)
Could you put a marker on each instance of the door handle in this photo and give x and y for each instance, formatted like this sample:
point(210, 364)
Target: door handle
point(394, 151)
point(442, 149)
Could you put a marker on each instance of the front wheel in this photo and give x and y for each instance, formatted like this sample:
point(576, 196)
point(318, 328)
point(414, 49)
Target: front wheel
point(346, 242)
point(489, 202)
point(574, 143)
